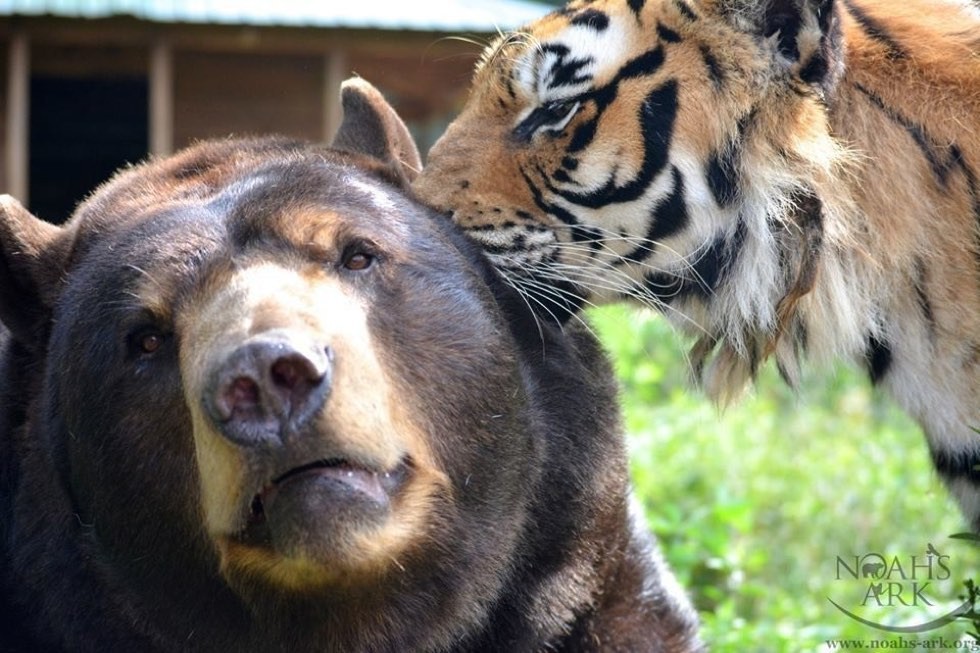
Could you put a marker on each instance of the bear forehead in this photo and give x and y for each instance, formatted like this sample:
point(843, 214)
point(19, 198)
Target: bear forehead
point(294, 200)
point(306, 211)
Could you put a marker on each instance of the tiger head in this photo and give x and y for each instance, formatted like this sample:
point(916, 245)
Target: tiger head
point(663, 151)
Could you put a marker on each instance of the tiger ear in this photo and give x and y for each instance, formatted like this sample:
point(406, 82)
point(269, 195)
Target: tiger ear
point(806, 35)
point(372, 127)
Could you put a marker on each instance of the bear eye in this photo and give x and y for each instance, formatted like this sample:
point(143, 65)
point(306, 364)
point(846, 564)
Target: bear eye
point(357, 259)
point(150, 343)
point(147, 341)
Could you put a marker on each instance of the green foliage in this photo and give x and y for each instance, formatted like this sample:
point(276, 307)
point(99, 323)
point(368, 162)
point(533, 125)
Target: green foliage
point(754, 504)
point(973, 617)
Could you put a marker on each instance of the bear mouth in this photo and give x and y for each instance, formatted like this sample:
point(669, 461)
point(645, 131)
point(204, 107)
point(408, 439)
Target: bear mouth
point(346, 486)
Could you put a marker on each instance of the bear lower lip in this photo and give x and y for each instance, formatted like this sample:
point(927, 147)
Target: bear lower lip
point(312, 511)
point(373, 484)
point(348, 481)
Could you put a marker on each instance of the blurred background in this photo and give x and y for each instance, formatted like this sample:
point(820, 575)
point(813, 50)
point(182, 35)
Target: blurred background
point(89, 85)
point(754, 505)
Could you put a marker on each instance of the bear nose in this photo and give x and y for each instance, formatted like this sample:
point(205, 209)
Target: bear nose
point(268, 387)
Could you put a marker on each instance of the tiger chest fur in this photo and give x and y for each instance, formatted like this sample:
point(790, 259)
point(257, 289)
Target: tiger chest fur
point(794, 179)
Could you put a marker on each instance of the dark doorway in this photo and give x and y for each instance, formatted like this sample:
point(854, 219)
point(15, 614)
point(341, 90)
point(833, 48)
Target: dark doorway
point(82, 129)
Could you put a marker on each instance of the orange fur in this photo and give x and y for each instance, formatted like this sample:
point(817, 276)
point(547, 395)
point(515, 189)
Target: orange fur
point(817, 195)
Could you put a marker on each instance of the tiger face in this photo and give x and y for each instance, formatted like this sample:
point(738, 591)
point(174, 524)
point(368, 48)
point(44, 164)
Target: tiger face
point(786, 179)
point(600, 154)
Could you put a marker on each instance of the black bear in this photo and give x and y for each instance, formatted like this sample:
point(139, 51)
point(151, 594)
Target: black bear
point(257, 398)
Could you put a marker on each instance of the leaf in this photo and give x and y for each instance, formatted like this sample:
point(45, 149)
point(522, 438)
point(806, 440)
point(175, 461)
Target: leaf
point(970, 537)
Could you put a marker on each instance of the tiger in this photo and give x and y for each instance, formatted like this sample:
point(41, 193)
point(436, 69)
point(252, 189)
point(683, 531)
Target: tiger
point(786, 180)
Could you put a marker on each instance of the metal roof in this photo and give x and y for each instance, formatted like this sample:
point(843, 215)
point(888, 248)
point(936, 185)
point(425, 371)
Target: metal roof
point(441, 15)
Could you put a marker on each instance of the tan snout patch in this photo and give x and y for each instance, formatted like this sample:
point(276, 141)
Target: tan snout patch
point(363, 417)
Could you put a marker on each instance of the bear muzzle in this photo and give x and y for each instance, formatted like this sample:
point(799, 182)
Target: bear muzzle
point(269, 388)
point(309, 470)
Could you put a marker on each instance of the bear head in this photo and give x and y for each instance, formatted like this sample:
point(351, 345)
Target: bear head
point(261, 399)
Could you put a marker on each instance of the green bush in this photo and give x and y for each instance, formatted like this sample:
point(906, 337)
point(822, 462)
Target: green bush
point(753, 505)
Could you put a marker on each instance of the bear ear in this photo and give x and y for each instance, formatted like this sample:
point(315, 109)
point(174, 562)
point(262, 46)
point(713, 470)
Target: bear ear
point(29, 273)
point(372, 127)
point(806, 35)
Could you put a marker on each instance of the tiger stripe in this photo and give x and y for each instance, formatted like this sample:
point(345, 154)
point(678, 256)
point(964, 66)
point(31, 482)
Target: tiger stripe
point(875, 30)
point(784, 179)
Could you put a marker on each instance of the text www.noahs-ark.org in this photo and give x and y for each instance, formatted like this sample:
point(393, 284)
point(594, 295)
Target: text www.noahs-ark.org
point(902, 644)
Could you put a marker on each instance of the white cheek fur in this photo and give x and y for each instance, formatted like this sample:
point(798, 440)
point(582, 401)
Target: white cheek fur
point(603, 50)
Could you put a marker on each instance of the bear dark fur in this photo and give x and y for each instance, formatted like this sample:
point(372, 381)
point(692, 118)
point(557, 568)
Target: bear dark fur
point(485, 508)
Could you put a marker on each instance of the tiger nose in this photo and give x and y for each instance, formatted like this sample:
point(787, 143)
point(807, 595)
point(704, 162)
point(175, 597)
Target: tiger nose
point(268, 388)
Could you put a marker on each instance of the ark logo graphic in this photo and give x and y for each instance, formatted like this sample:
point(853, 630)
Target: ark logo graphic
point(906, 583)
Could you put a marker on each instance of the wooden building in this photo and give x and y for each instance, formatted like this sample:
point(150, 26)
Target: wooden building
point(90, 85)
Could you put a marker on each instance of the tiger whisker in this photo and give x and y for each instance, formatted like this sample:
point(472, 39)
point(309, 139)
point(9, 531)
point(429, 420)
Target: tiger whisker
point(647, 245)
point(515, 265)
point(496, 51)
point(543, 291)
point(655, 304)
point(684, 259)
point(611, 279)
point(533, 294)
point(626, 287)
point(555, 291)
point(578, 250)
point(685, 265)
point(635, 241)
point(537, 290)
point(616, 237)
point(524, 298)
point(471, 40)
